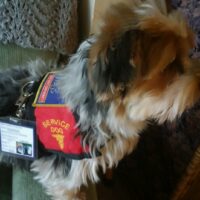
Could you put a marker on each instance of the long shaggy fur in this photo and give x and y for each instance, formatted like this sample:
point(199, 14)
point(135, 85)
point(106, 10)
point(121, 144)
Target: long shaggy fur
point(136, 68)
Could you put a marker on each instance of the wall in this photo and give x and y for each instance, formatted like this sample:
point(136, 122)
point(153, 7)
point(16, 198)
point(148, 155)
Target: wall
point(86, 10)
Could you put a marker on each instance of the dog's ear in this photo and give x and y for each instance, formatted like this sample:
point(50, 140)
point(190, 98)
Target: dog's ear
point(110, 68)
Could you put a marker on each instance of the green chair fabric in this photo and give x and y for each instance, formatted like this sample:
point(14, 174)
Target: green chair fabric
point(5, 182)
point(12, 55)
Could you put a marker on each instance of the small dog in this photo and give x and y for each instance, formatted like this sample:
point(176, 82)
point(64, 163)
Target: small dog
point(136, 68)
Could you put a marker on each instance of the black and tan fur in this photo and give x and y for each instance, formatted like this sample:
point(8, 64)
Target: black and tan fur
point(136, 68)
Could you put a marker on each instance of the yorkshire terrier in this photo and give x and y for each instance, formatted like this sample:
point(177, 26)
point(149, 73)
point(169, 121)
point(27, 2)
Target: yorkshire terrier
point(136, 68)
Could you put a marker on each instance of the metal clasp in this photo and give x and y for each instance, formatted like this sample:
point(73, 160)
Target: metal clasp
point(26, 92)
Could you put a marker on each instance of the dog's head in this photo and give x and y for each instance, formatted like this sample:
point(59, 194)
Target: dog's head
point(141, 45)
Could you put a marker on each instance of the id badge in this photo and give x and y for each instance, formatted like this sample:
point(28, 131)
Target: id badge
point(18, 138)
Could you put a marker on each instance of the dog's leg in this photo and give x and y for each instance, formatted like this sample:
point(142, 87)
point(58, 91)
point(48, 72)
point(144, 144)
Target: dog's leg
point(63, 182)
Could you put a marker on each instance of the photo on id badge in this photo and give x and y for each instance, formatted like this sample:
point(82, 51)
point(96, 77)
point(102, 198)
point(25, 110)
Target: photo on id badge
point(24, 149)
